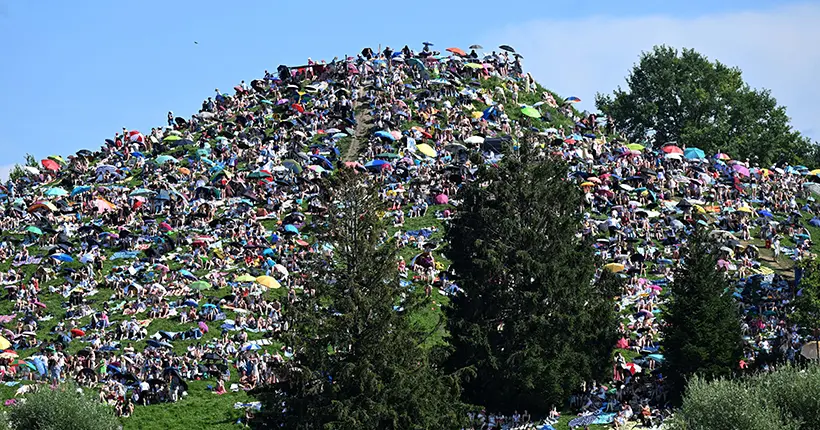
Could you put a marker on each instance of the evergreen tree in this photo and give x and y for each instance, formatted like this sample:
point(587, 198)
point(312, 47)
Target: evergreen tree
point(531, 325)
point(702, 334)
point(359, 360)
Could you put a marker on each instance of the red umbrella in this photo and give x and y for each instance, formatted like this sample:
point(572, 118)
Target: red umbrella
point(135, 136)
point(50, 164)
point(457, 51)
point(672, 149)
point(165, 226)
point(302, 242)
point(298, 107)
point(77, 332)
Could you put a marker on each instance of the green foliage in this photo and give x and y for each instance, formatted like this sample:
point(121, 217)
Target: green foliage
point(531, 325)
point(702, 334)
point(360, 360)
point(806, 311)
point(16, 173)
point(31, 161)
point(787, 398)
point(61, 409)
point(686, 98)
point(729, 405)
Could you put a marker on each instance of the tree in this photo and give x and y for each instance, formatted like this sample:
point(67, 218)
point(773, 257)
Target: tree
point(63, 408)
point(531, 325)
point(686, 98)
point(360, 361)
point(702, 334)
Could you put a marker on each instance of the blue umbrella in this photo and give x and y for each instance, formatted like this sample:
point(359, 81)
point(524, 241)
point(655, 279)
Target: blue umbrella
point(209, 305)
point(325, 162)
point(251, 347)
point(62, 257)
point(191, 302)
point(290, 228)
point(384, 134)
point(815, 222)
point(692, 153)
point(56, 192)
point(186, 273)
point(79, 189)
point(376, 164)
point(656, 357)
point(765, 213)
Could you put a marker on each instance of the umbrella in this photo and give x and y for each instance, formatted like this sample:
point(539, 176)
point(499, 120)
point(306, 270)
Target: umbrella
point(56, 192)
point(32, 170)
point(292, 165)
point(476, 47)
point(572, 99)
point(33, 230)
point(385, 134)
point(457, 51)
point(474, 140)
point(50, 164)
point(199, 285)
point(142, 192)
point(507, 48)
point(672, 149)
point(172, 138)
point(811, 350)
point(79, 189)
point(246, 278)
point(635, 147)
point(442, 199)
point(426, 150)
point(268, 281)
point(614, 267)
point(741, 169)
point(693, 153)
point(376, 165)
point(290, 228)
point(77, 332)
point(4, 343)
point(162, 159)
point(582, 421)
point(62, 257)
point(531, 112)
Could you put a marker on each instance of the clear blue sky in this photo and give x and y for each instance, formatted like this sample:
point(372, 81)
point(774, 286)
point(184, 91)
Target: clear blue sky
point(75, 72)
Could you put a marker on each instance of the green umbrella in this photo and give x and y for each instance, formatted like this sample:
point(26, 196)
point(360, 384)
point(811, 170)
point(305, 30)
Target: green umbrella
point(292, 165)
point(162, 159)
point(56, 191)
point(246, 278)
point(531, 112)
point(34, 230)
point(259, 175)
point(172, 138)
point(199, 285)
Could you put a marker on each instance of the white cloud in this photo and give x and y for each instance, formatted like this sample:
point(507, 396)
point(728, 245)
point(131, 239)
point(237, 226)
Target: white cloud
point(775, 49)
point(5, 170)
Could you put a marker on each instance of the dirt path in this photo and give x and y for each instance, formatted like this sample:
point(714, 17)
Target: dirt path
point(362, 122)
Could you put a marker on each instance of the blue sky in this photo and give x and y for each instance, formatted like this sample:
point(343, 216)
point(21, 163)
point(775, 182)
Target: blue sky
point(76, 72)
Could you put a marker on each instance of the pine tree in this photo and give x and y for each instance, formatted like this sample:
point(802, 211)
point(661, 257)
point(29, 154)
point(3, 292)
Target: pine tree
point(702, 334)
point(359, 361)
point(531, 325)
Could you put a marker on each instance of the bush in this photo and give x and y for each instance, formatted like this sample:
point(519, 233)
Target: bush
point(61, 409)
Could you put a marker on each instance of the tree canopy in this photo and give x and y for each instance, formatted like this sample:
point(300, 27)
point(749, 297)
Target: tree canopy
point(702, 334)
point(531, 325)
point(359, 359)
point(684, 97)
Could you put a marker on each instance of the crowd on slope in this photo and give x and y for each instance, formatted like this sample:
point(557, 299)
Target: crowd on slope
point(151, 261)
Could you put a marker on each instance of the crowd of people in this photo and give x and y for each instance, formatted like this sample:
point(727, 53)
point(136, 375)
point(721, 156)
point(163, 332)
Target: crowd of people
point(172, 255)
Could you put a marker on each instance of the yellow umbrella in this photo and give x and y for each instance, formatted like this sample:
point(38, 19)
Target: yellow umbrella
point(746, 209)
point(587, 184)
point(268, 281)
point(815, 172)
point(636, 147)
point(614, 267)
point(4, 343)
point(700, 209)
point(426, 150)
